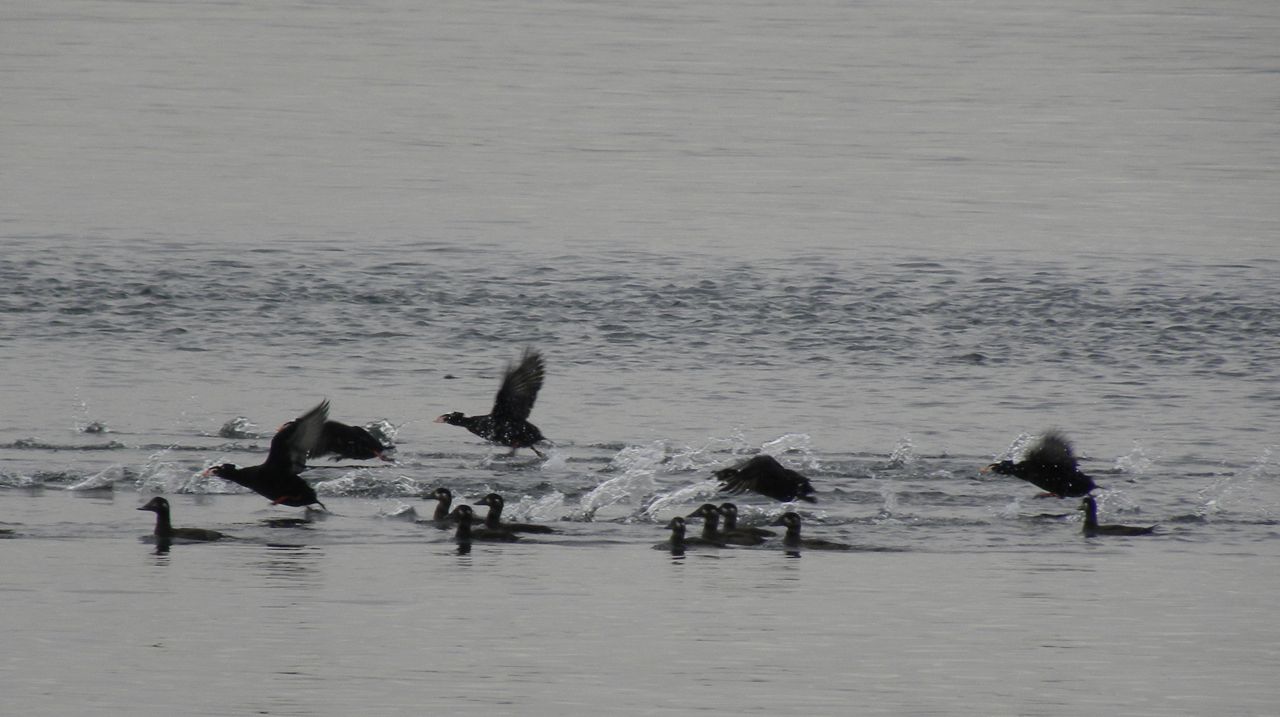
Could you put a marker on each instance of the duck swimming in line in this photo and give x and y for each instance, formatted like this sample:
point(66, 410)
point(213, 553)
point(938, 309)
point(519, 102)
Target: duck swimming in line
point(165, 532)
point(508, 423)
point(763, 474)
point(1092, 528)
point(466, 533)
point(729, 512)
point(493, 520)
point(679, 542)
point(793, 540)
point(444, 504)
point(277, 478)
point(1051, 466)
point(710, 515)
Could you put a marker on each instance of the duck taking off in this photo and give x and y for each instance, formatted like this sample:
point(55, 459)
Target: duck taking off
point(508, 423)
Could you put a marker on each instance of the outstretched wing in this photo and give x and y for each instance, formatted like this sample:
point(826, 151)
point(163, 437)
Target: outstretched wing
point(345, 441)
point(298, 439)
point(520, 388)
point(763, 474)
point(1052, 452)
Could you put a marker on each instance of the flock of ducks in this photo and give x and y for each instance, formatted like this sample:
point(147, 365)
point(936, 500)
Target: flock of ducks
point(1050, 464)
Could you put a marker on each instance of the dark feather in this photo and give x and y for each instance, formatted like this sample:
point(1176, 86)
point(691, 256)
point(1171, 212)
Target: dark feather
point(763, 474)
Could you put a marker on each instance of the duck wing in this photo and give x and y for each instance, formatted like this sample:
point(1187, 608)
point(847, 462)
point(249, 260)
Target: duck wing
point(1052, 453)
point(345, 441)
point(520, 386)
point(763, 474)
point(297, 440)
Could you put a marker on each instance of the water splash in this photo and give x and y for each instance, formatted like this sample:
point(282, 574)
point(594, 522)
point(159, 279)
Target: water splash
point(1135, 462)
point(104, 479)
point(160, 475)
point(383, 430)
point(1015, 450)
point(698, 492)
point(368, 483)
point(904, 454)
point(540, 509)
point(399, 510)
point(1241, 492)
point(239, 427)
point(639, 466)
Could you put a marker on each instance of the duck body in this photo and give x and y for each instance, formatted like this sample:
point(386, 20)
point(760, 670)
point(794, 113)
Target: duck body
point(729, 512)
point(507, 424)
point(679, 542)
point(763, 474)
point(1051, 466)
point(711, 531)
point(277, 479)
point(793, 539)
point(1091, 527)
point(165, 532)
point(467, 533)
point(493, 520)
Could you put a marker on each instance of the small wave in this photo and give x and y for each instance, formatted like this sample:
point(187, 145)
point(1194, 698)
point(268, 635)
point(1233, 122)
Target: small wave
point(34, 444)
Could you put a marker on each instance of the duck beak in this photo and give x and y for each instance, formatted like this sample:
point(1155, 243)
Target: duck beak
point(440, 419)
point(987, 468)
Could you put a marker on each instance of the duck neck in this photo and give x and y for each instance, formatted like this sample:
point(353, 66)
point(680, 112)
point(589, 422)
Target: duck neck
point(730, 522)
point(464, 530)
point(1090, 514)
point(677, 536)
point(711, 526)
point(164, 528)
point(442, 509)
point(493, 518)
point(793, 535)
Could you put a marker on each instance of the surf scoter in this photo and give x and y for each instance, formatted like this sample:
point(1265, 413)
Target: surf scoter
point(494, 521)
point(508, 423)
point(444, 503)
point(1091, 527)
point(729, 512)
point(1051, 466)
point(165, 532)
point(338, 440)
point(678, 541)
point(766, 476)
point(467, 533)
point(277, 478)
point(710, 515)
point(793, 540)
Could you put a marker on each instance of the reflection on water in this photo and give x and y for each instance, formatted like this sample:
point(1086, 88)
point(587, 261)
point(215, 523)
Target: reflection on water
point(290, 566)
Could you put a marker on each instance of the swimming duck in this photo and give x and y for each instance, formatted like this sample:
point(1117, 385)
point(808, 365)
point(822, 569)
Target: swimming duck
point(1091, 527)
point(766, 476)
point(277, 478)
point(793, 540)
point(494, 521)
point(466, 533)
point(444, 503)
point(678, 541)
point(165, 532)
point(729, 512)
point(508, 423)
point(1051, 466)
point(710, 515)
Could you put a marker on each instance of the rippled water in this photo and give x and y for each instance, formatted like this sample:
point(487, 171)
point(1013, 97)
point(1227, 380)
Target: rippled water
point(885, 242)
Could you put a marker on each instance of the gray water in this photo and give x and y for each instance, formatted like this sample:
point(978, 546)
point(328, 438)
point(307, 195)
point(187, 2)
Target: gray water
point(884, 242)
